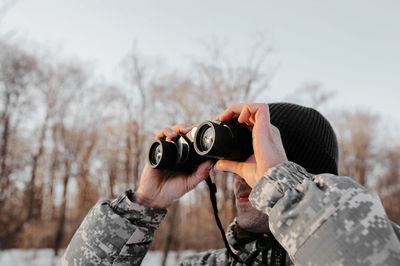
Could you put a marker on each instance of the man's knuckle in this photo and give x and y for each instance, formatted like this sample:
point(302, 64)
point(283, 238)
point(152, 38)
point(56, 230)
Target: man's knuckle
point(263, 106)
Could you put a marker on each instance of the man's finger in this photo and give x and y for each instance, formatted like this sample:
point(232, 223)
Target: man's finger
point(199, 175)
point(262, 114)
point(171, 133)
point(166, 132)
point(181, 128)
point(230, 112)
point(244, 114)
point(245, 111)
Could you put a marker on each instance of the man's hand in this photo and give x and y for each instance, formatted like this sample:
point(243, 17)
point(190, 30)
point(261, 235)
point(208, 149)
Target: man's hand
point(267, 142)
point(159, 190)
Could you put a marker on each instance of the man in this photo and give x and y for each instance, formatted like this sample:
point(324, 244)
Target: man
point(318, 219)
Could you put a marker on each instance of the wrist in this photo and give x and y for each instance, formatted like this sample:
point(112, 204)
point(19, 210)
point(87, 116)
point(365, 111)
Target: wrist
point(144, 200)
point(140, 199)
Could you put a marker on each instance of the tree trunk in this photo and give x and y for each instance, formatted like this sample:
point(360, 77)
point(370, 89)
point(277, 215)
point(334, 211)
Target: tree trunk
point(4, 181)
point(136, 163)
point(112, 175)
point(61, 220)
point(85, 196)
point(35, 162)
point(128, 152)
point(53, 171)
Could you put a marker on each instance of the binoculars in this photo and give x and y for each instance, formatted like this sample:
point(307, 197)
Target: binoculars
point(211, 140)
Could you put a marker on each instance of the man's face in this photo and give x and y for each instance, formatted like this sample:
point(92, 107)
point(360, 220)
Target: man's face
point(248, 217)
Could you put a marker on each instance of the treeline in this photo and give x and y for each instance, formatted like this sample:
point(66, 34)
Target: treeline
point(68, 138)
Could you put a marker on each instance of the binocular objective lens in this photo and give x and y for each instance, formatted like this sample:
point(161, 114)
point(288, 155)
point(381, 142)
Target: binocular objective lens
point(157, 154)
point(207, 139)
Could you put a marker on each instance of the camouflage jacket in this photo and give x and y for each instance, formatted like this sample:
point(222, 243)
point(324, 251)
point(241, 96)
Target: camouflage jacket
point(251, 253)
point(318, 219)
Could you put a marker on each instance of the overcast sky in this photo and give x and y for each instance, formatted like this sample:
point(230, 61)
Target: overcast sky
point(351, 47)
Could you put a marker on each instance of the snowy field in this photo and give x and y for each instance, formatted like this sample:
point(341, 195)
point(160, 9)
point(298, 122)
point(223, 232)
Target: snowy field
point(45, 257)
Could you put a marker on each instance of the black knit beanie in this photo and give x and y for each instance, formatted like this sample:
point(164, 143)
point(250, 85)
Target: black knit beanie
point(308, 138)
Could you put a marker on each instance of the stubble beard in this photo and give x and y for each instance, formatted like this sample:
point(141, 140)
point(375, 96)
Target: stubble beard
point(252, 219)
point(248, 217)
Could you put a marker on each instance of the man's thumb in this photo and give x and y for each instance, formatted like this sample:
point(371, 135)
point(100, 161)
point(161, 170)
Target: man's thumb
point(229, 166)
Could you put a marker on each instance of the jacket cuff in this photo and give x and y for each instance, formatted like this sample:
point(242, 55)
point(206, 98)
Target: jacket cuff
point(275, 182)
point(136, 213)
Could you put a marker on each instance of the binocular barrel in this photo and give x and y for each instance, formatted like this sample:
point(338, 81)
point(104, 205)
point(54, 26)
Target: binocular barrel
point(212, 140)
point(162, 154)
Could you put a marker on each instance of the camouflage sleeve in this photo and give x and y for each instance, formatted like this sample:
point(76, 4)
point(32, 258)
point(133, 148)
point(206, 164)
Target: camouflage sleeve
point(325, 219)
point(117, 232)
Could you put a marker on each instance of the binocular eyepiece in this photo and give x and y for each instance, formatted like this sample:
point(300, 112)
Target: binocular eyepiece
point(210, 140)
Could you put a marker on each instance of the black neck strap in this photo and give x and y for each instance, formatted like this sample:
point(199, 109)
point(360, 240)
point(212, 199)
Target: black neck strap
point(213, 191)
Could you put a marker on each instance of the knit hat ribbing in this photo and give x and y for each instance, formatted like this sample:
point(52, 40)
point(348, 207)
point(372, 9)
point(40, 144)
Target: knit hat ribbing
point(308, 138)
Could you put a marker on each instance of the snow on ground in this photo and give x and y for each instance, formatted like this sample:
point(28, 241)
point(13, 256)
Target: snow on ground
point(22, 257)
point(45, 257)
point(154, 258)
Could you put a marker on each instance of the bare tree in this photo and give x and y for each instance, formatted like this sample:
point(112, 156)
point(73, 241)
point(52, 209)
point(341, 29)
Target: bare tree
point(357, 141)
point(71, 147)
point(388, 185)
point(68, 132)
point(17, 73)
point(136, 100)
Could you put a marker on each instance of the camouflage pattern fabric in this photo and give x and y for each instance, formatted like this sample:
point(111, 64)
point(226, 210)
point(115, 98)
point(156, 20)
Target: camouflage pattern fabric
point(319, 220)
point(115, 232)
point(326, 219)
point(250, 254)
point(120, 233)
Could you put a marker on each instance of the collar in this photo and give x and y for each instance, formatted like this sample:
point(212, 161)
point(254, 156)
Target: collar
point(248, 246)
